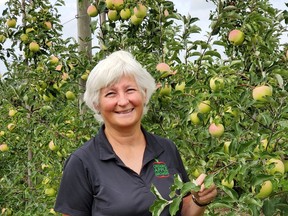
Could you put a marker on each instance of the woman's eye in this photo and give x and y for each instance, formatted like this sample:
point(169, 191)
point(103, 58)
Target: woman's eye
point(109, 94)
point(131, 90)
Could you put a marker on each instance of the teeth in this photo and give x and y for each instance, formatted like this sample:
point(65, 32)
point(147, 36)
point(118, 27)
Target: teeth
point(126, 111)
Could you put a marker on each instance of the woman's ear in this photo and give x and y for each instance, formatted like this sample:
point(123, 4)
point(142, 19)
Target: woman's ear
point(97, 108)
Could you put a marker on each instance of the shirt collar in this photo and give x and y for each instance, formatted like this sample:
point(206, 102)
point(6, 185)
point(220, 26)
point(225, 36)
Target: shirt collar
point(152, 151)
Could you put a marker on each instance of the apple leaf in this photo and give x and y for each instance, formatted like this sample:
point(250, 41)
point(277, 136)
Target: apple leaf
point(174, 206)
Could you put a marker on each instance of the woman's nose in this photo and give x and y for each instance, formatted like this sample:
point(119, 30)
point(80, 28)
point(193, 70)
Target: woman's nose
point(123, 100)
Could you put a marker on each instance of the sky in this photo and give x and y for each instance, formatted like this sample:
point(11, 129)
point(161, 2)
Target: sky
point(196, 8)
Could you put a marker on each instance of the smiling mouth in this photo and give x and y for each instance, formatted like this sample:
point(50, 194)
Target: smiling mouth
point(125, 111)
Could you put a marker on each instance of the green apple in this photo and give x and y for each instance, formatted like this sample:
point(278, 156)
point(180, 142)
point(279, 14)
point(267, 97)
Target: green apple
point(277, 166)
point(24, 38)
point(118, 4)
point(11, 126)
point(92, 10)
point(225, 182)
point(180, 87)
point(53, 60)
point(166, 90)
point(12, 112)
point(2, 38)
point(109, 4)
point(50, 192)
point(113, 15)
point(11, 23)
point(47, 25)
point(260, 93)
point(226, 146)
point(70, 95)
point(125, 14)
point(265, 190)
point(216, 83)
point(216, 130)
point(236, 37)
point(204, 106)
point(52, 146)
point(140, 11)
point(34, 47)
point(194, 118)
point(135, 20)
point(4, 147)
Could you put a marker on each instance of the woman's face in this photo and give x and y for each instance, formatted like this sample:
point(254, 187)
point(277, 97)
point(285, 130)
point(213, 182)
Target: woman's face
point(121, 104)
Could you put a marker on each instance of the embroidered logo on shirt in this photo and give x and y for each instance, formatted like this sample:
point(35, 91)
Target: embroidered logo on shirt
point(160, 169)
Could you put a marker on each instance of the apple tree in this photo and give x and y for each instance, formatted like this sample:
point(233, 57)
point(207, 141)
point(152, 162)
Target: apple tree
point(221, 99)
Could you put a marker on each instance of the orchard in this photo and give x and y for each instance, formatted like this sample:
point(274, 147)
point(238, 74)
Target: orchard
point(223, 99)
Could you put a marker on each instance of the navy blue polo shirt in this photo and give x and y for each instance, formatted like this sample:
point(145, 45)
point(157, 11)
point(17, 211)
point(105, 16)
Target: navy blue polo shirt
point(96, 182)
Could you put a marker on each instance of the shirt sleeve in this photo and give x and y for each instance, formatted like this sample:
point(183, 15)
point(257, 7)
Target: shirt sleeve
point(75, 196)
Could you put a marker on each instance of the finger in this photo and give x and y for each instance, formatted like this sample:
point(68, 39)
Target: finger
point(205, 191)
point(200, 179)
point(208, 197)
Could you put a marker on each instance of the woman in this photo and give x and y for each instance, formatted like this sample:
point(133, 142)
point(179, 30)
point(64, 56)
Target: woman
point(112, 173)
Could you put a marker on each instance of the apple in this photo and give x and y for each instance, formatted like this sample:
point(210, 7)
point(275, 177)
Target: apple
point(180, 87)
point(48, 98)
point(2, 133)
point(52, 146)
point(285, 162)
point(4, 147)
point(70, 134)
point(226, 146)
point(125, 14)
point(163, 67)
point(52, 211)
point(140, 10)
point(216, 83)
point(260, 93)
point(216, 130)
point(11, 126)
point(34, 47)
point(24, 38)
point(11, 23)
point(44, 166)
point(236, 37)
point(265, 190)
point(47, 25)
point(204, 106)
point(70, 95)
point(194, 118)
point(109, 4)
point(278, 166)
point(50, 191)
point(2, 38)
point(53, 60)
point(166, 90)
point(135, 20)
point(263, 146)
point(197, 172)
point(166, 13)
point(225, 182)
point(59, 67)
point(29, 30)
point(113, 15)
point(232, 111)
point(92, 10)
point(12, 112)
point(118, 4)
point(48, 43)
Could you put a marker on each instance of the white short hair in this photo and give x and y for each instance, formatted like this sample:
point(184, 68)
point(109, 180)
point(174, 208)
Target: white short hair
point(109, 70)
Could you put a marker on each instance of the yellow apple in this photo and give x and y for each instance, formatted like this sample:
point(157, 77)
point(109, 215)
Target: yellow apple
point(135, 20)
point(236, 37)
point(216, 83)
point(260, 93)
point(180, 87)
point(4, 147)
point(194, 118)
point(12, 112)
point(277, 166)
point(2, 38)
point(53, 60)
point(204, 106)
point(265, 190)
point(24, 38)
point(11, 126)
point(2, 133)
point(70, 95)
point(50, 191)
point(52, 146)
point(216, 130)
point(34, 47)
point(92, 10)
point(109, 4)
point(11, 23)
point(125, 14)
point(140, 11)
point(225, 182)
point(118, 4)
point(113, 15)
point(47, 25)
point(263, 146)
